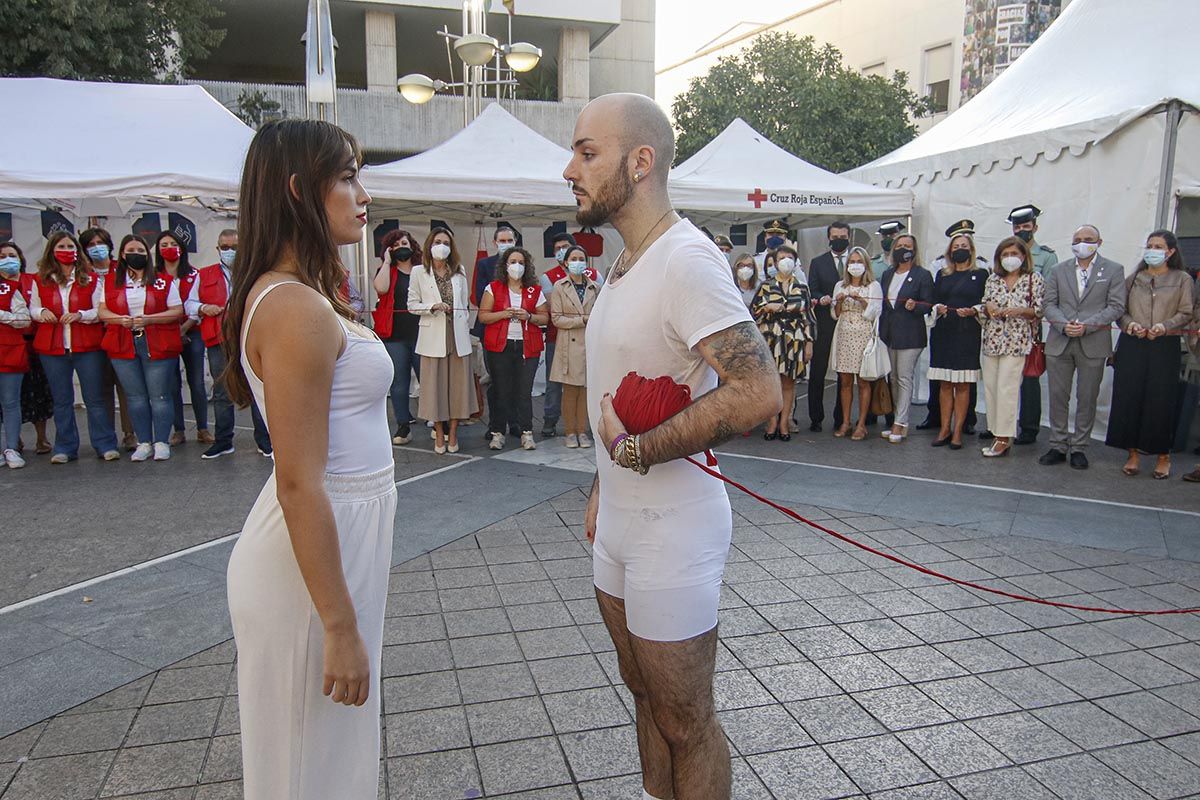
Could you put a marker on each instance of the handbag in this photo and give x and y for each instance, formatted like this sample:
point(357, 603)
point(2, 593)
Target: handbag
point(876, 362)
point(881, 398)
point(590, 241)
point(1035, 361)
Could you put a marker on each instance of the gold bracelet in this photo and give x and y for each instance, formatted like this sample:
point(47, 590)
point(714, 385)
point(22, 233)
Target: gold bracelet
point(636, 446)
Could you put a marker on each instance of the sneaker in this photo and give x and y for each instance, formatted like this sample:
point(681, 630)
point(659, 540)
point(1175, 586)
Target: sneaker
point(216, 451)
point(497, 442)
point(111, 455)
point(585, 440)
point(59, 458)
point(265, 453)
point(205, 437)
point(571, 441)
point(162, 451)
point(527, 442)
point(142, 453)
point(403, 435)
point(177, 438)
point(13, 459)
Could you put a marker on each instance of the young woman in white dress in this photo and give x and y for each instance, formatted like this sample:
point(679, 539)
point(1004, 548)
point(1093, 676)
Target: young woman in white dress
point(308, 578)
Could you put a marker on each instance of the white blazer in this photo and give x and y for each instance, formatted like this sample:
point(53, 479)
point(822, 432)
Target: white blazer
point(423, 295)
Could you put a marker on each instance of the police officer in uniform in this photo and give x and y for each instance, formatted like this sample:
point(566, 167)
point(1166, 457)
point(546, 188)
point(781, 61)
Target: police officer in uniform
point(887, 232)
point(1024, 226)
point(933, 417)
point(774, 234)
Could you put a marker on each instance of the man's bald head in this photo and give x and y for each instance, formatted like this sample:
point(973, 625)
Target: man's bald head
point(637, 121)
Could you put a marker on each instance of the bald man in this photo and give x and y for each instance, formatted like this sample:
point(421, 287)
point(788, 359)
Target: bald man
point(660, 526)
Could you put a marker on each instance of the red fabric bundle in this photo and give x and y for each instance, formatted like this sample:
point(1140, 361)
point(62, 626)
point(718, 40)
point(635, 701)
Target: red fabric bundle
point(645, 403)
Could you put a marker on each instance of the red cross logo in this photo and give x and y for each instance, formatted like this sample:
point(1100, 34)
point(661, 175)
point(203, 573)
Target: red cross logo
point(757, 197)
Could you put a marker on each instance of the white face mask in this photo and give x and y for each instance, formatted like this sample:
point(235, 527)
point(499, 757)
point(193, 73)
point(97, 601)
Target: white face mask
point(857, 270)
point(787, 265)
point(1085, 250)
point(440, 251)
point(745, 273)
point(1012, 263)
point(516, 271)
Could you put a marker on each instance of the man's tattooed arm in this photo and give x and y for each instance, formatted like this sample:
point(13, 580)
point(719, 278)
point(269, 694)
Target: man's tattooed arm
point(748, 393)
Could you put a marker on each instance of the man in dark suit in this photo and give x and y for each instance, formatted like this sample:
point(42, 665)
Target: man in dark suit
point(823, 274)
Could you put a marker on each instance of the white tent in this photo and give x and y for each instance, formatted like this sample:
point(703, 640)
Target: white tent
point(496, 166)
point(1097, 122)
point(742, 176)
point(73, 139)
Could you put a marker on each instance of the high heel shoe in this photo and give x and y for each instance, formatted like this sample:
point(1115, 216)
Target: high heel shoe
point(771, 436)
point(955, 445)
point(785, 437)
point(452, 448)
point(842, 431)
point(940, 442)
point(996, 450)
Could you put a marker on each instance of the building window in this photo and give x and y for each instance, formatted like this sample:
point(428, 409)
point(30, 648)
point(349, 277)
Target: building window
point(938, 63)
point(875, 69)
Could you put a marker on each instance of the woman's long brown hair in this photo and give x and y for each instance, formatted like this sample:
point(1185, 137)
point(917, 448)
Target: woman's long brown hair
point(274, 222)
point(50, 270)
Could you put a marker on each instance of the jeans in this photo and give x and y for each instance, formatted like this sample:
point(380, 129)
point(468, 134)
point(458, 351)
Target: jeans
point(90, 369)
point(404, 361)
point(148, 384)
point(904, 367)
point(223, 407)
point(10, 402)
point(553, 406)
point(512, 374)
point(193, 365)
point(113, 391)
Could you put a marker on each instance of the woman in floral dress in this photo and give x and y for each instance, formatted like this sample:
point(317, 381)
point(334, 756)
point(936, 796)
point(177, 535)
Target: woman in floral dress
point(857, 303)
point(783, 309)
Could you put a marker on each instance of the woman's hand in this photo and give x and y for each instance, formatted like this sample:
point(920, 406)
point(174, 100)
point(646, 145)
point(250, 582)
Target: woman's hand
point(137, 323)
point(939, 309)
point(520, 313)
point(994, 311)
point(70, 318)
point(347, 668)
point(775, 308)
point(965, 312)
point(1136, 330)
point(124, 322)
point(440, 307)
point(47, 316)
point(210, 310)
point(1158, 330)
point(808, 350)
point(910, 304)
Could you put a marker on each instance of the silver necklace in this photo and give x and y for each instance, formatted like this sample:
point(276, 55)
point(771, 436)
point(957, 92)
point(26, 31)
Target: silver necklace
point(625, 264)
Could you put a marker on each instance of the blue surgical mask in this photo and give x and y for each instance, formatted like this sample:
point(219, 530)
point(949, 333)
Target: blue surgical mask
point(10, 266)
point(98, 252)
point(227, 258)
point(577, 267)
point(503, 247)
point(560, 254)
point(772, 272)
point(1154, 258)
point(774, 241)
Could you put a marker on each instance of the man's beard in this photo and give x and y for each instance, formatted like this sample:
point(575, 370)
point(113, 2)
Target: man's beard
point(610, 198)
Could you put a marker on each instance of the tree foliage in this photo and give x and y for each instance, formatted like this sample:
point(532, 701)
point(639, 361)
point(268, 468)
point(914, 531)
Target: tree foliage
point(119, 40)
point(803, 99)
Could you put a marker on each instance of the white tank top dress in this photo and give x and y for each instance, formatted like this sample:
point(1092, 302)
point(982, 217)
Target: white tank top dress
point(298, 744)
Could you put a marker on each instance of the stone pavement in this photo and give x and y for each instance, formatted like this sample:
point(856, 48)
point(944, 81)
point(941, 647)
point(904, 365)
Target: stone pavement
point(840, 674)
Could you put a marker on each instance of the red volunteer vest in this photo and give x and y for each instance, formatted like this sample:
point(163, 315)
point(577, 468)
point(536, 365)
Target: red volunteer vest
point(213, 292)
point(556, 274)
point(27, 280)
point(14, 352)
point(164, 341)
point(385, 309)
point(495, 336)
point(48, 340)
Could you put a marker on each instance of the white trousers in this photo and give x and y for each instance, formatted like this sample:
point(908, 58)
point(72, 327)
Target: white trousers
point(1002, 376)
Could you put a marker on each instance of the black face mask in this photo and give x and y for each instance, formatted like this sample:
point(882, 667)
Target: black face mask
point(960, 256)
point(1025, 236)
point(902, 255)
point(401, 254)
point(839, 244)
point(886, 243)
point(136, 261)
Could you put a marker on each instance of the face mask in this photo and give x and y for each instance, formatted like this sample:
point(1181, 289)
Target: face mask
point(98, 252)
point(787, 265)
point(839, 244)
point(774, 241)
point(440, 251)
point(886, 243)
point(857, 270)
point(1025, 236)
point(227, 258)
point(1012, 263)
point(402, 254)
point(1085, 250)
point(560, 254)
point(170, 253)
point(10, 266)
point(577, 268)
point(902, 255)
point(1154, 258)
point(728, 258)
point(772, 272)
point(516, 271)
point(746, 273)
point(66, 257)
point(960, 256)
point(503, 247)
point(136, 261)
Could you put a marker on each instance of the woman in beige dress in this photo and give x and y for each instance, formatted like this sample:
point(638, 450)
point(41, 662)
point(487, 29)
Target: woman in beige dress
point(857, 302)
point(437, 293)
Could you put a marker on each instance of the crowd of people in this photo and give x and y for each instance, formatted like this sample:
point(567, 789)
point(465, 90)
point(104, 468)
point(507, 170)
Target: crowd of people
point(136, 322)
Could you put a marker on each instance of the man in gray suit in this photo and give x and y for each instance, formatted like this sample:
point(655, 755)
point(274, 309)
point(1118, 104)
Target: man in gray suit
point(1085, 295)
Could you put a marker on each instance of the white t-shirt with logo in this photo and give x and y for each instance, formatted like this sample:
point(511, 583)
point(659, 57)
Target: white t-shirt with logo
point(649, 321)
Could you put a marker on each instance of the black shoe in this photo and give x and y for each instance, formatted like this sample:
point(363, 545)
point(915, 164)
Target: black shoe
point(770, 436)
point(940, 442)
point(785, 437)
point(548, 428)
point(986, 436)
point(1078, 460)
point(954, 446)
point(815, 427)
point(969, 430)
point(1026, 438)
point(1052, 457)
point(216, 451)
point(927, 424)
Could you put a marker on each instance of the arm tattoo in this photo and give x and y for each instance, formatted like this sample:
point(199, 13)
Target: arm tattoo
point(749, 393)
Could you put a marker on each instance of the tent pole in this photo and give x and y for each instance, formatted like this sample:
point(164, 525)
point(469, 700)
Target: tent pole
point(1167, 171)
